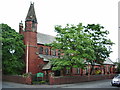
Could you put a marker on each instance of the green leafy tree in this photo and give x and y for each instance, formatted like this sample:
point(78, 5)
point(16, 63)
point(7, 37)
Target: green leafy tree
point(12, 50)
point(118, 67)
point(74, 44)
point(101, 44)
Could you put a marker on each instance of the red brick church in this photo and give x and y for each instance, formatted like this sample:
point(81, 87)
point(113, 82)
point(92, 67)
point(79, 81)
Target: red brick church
point(37, 55)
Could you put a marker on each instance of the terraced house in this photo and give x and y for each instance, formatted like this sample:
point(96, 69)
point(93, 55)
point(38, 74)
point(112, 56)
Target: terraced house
point(37, 54)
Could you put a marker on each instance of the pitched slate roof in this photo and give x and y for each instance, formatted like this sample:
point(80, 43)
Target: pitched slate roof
point(47, 66)
point(108, 61)
point(31, 14)
point(44, 38)
point(47, 57)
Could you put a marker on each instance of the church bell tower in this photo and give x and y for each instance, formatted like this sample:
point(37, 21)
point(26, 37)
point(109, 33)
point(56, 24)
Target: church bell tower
point(30, 40)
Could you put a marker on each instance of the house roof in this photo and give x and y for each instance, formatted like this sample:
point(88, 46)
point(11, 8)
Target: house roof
point(47, 57)
point(44, 38)
point(108, 61)
point(47, 66)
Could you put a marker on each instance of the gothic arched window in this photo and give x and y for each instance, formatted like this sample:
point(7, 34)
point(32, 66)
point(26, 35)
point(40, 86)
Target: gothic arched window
point(78, 70)
point(54, 52)
point(46, 51)
point(59, 53)
point(41, 50)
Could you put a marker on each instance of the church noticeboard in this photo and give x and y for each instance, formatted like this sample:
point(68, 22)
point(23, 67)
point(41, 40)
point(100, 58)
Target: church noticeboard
point(40, 74)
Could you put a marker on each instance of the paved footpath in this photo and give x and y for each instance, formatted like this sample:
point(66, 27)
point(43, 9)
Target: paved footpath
point(75, 85)
point(18, 85)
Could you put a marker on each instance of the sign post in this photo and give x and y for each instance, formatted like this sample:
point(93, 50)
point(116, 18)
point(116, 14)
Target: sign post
point(40, 75)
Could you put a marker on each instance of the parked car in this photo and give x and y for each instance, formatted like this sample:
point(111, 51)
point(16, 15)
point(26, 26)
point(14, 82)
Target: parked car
point(116, 80)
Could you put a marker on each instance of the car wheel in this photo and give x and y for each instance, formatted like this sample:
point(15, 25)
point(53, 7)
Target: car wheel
point(112, 84)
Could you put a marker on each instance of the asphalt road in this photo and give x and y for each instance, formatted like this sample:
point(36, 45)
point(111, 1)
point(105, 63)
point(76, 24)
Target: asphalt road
point(93, 84)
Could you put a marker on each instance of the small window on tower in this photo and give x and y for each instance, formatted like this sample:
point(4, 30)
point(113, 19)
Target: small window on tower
point(34, 27)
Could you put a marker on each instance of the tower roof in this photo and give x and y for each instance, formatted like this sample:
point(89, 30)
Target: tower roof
point(31, 14)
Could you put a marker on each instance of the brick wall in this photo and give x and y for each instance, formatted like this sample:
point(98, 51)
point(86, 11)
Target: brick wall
point(76, 79)
point(57, 80)
point(17, 79)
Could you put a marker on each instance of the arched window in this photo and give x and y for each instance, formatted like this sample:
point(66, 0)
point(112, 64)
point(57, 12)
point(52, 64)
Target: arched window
point(41, 50)
point(54, 52)
point(68, 71)
point(78, 70)
point(46, 51)
point(59, 53)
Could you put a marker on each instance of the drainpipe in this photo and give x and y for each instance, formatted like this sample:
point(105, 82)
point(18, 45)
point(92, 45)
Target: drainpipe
point(27, 59)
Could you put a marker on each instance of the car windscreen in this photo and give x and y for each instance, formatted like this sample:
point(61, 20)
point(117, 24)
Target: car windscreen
point(117, 76)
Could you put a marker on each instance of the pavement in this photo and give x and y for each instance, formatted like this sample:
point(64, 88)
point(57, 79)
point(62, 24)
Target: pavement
point(18, 85)
point(98, 84)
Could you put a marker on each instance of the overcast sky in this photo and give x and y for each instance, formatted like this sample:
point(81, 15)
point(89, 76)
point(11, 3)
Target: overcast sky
point(60, 12)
